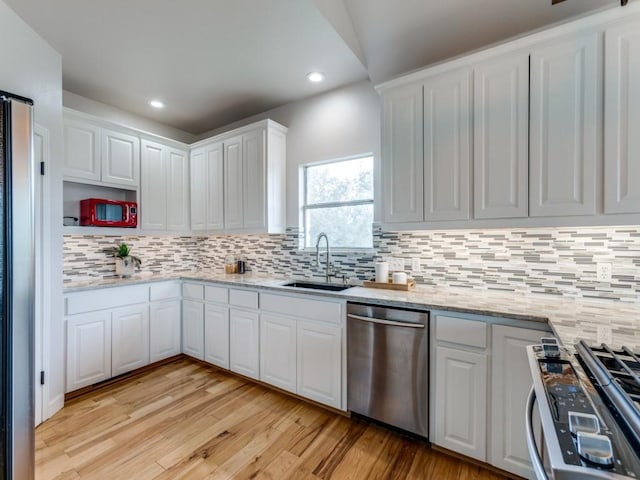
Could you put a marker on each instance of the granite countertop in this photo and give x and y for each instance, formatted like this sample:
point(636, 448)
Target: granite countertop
point(570, 318)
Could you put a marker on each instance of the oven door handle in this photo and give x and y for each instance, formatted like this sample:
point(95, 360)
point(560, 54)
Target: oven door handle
point(538, 466)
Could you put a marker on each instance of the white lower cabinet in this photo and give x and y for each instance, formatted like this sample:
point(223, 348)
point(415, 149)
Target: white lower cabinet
point(278, 351)
point(88, 349)
point(510, 385)
point(216, 335)
point(129, 338)
point(319, 362)
point(193, 329)
point(244, 342)
point(480, 383)
point(461, 401)
point(164, 330)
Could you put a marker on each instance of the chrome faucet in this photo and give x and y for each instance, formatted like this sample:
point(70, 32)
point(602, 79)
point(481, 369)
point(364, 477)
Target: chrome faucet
point(328, 268)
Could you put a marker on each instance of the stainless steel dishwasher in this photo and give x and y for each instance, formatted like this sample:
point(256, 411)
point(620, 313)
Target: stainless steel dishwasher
point(388, 366)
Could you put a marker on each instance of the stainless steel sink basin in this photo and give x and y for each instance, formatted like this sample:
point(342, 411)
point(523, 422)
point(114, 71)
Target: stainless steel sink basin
point(331, 287)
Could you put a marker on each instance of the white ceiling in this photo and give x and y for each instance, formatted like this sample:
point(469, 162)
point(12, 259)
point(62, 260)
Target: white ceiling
point(398, 36)
point(217, 61)
point(211, 61)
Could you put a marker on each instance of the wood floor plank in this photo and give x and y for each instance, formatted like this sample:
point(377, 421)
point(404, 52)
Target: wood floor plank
point(186, 421)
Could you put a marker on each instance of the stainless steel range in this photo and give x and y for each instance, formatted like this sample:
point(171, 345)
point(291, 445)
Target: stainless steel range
point(589, 404)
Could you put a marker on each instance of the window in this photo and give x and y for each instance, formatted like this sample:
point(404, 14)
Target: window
point(338, 200)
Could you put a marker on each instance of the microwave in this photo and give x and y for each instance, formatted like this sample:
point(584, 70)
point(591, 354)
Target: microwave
point(98, 212)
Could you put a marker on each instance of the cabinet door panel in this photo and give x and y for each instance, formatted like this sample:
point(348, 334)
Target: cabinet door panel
point(82, 150)
point(120, 158)
point(254, 164)
point(153, 181)
point(447, 146)
point(244, 346)
point(565, 110)
point(88, 349)
point(129, 338)
point(319, 362)
point(233, 184)
point(177, 194)
point(403, 156)
point(164, 330)
point(215, 187)
point(501, 136)
point(193, 329)
point(198, 184)
point(461, 401)
point(622, 119)
point(510, 385)
point(216, 335)
point(278, 351)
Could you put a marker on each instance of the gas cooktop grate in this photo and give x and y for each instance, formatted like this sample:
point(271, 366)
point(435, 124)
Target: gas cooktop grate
point(623, 366)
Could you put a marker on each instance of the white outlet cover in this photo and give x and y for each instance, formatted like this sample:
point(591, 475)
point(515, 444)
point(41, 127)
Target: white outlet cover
point(396, 264)
point(415, 265)
point(603, 272)
point(604, 334)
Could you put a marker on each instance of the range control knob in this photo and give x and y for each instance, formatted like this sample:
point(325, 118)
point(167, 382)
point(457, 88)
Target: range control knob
point(595, 448)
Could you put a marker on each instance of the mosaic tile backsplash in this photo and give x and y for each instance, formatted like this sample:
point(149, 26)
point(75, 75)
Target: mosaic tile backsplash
point(558, 261)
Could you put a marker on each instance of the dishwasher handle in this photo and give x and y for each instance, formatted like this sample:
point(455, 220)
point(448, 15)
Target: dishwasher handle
point(385, 322)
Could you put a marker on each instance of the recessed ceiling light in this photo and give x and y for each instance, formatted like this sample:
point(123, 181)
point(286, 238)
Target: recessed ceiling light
point(156, 104)
point(315, 77)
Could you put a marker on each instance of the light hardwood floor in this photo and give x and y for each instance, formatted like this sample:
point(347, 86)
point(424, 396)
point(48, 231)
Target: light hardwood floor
point(188, 421)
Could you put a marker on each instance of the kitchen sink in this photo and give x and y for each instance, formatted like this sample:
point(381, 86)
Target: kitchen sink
point(332, 287)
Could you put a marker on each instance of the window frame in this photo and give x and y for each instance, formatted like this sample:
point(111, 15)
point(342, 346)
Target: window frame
point(306, 207)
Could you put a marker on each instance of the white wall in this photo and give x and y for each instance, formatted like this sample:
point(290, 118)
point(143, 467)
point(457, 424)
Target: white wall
point(31, 68)
point(115, 115)
point(337, 124)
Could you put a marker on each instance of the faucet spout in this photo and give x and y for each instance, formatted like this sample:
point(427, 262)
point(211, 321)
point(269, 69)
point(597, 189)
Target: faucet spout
point(328, 265)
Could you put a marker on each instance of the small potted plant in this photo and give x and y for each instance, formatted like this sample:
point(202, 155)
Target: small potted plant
point(126, 263)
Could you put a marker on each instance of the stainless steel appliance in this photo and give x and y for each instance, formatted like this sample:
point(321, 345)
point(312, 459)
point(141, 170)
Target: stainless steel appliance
point(388, 366)
point(589, 404)
point(17, 281)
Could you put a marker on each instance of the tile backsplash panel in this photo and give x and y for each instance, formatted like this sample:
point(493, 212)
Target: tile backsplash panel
point(558, 261)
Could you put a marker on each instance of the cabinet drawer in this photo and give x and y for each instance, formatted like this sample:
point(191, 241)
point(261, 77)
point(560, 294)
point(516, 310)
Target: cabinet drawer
point(299, 307)
point(193, 290)
point(106, 298)
point(243, 298)
point(164, 291)
point(464, 332)
point(216, 294)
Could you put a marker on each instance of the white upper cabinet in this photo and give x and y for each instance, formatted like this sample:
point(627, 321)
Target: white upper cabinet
point(153, 194)
point(120, 158)
point(238, 180)
point(82, 150)
point(565, 126)
point(622, 119)
point(164, 187)
point(403, 159)
point(447, 146)
point(177, 189)
point(254, 186)
point(501, 136)
point(207, 188)
point(215, 183)
point(233, 182)
point(97, 155)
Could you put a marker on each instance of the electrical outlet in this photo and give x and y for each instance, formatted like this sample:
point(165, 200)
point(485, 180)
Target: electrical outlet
point(396, 264)
point(604, 334)
point(415, 265)
point(176, 257)
point(603, 272)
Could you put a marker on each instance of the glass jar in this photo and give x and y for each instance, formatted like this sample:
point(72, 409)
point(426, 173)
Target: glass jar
point(230, 265)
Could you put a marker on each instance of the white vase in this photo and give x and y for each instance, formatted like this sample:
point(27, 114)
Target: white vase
point(125, 267)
